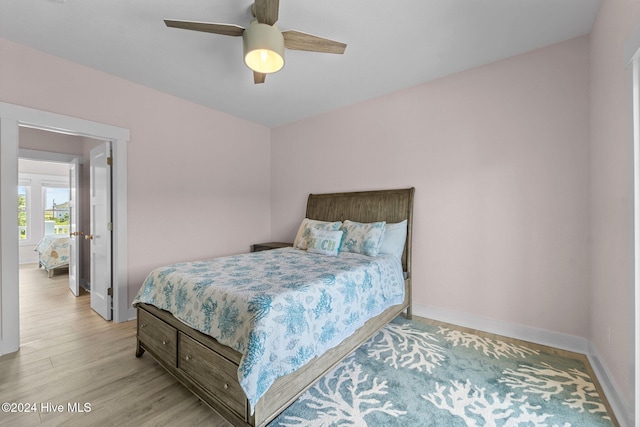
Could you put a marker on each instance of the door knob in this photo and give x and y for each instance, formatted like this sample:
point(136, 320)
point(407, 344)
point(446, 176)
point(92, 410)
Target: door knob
point(89, 237)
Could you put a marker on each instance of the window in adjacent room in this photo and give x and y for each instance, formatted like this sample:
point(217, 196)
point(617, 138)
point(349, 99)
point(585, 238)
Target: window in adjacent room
point(23, 212)
point(56, 209)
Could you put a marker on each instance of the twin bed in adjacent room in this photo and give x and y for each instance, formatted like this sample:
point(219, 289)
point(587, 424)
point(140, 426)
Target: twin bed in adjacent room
point(53, 253)
point(249, 333)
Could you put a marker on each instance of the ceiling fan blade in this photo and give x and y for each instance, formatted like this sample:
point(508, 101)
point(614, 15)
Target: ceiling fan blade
point(258, 77)
point(297, 40)
point(207, 27)
point(266, 11)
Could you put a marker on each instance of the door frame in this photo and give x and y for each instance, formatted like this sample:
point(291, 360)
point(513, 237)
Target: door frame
point(74, 225)
point(631, 57)
point(12, 117)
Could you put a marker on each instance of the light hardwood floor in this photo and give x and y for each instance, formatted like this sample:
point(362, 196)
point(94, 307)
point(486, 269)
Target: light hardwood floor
point(70, 355)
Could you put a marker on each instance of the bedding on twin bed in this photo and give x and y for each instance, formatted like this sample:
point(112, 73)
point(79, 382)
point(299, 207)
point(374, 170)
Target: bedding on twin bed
point(53, 251)
point(278, 308)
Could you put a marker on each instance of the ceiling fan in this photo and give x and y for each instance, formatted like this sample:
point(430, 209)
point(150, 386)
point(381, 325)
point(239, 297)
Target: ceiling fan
point(263, 42)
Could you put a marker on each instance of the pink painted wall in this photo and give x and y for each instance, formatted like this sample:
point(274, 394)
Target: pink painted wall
point(611, 191)
point(198, 179)
point(499, 158)
point(521, 168)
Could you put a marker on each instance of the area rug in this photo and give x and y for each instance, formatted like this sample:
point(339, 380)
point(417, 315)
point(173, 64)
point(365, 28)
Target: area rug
point(412, 373)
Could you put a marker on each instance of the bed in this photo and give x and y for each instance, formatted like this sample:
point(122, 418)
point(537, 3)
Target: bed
point(53, 253)
point(216, 372)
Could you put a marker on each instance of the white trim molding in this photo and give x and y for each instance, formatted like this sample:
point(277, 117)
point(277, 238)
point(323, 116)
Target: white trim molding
point(631, 57)
point(635, 290)
point(9, 308)
point(619, 405)
point(507, 329)
point(12, 117)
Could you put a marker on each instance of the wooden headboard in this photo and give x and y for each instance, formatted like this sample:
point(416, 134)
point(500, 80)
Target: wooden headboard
point(367, 206)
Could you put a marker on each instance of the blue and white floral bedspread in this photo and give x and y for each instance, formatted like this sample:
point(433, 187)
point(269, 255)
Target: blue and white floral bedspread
point(278, 308)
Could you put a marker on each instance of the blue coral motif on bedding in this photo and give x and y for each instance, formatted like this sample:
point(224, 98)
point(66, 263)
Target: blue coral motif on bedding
point(261, 306)
point(324, 305)
point(228, 322)
point(278, 308)
point(363, 238)
point(329, 331)
point(181, 299)
point(209, 307)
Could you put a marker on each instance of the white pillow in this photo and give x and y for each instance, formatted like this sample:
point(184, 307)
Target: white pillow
point(395, 236)
point(325, 242)
point(304, 232)
point(363, 238)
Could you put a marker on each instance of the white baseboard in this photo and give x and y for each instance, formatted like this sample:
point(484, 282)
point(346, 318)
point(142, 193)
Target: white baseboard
point(620, 407)
point(512, 330)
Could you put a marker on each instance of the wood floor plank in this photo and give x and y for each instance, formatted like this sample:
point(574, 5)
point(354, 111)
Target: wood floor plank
point(70, 355)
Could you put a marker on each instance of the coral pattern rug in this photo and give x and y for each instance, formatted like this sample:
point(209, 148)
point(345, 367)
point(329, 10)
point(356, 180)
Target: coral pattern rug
point(413, 373)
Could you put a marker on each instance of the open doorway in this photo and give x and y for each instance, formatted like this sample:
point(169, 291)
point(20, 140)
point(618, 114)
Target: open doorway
point(53, 204)
point(12, 119)
point(43, 215)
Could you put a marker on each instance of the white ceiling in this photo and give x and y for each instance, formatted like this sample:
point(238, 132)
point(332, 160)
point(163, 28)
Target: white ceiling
point(392, 44)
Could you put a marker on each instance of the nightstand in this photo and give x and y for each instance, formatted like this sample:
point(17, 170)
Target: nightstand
point(271, 245)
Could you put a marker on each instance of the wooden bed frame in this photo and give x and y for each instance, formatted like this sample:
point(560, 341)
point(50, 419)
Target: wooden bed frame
point(209, 369)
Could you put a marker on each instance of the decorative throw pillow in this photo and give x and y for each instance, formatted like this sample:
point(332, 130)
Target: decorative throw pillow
point(394, 238)
point(325, 242)
point(363, 238)
point(304, 232)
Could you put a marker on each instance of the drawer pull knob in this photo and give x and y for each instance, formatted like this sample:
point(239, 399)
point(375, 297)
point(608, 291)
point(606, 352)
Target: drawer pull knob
point(164, 342)
point(142, 325)
point(187, 357)
point(226, 386)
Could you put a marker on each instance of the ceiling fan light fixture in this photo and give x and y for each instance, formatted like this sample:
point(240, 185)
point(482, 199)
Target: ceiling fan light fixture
point(263, 48)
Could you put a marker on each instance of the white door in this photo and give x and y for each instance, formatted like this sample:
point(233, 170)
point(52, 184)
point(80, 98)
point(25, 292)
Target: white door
point(74, 223)
point(99, 235)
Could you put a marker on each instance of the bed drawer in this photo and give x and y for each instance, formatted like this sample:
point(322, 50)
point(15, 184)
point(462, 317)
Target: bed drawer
point(214, 373)
point(158, 337)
